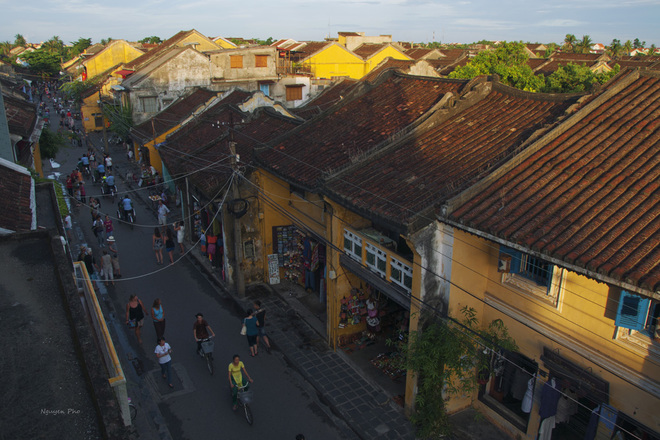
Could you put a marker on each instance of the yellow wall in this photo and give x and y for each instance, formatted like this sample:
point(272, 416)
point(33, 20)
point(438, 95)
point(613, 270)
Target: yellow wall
point(581, 327)
point(203, 43)
point(117, 52)
point(335, 61)
point(389, 51)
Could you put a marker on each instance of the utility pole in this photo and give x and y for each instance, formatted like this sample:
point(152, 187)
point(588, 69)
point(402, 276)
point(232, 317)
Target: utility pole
point(238, 248)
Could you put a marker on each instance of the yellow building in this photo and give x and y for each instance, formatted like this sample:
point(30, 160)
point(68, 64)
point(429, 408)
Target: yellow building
point(373, 54)
point(330, 60)
point(116, 52)
point(565, 253)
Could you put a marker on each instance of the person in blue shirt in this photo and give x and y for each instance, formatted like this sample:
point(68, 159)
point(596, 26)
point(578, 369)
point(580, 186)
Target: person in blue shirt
point(127, 204)
point(85, 162)
point(109, 184)
point(101, 170)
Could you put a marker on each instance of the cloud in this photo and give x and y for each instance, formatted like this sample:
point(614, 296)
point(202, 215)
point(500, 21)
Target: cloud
point(561, 22)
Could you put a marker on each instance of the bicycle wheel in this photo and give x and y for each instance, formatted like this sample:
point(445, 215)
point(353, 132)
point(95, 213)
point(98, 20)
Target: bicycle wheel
point(248, 414)
point(209, 363)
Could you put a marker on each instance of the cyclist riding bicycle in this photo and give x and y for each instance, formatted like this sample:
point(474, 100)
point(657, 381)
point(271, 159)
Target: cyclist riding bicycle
point(109, 184)
point(201, 331)
point(85, 162)
point(236, 379)
point(127, 206)
point(101, 170)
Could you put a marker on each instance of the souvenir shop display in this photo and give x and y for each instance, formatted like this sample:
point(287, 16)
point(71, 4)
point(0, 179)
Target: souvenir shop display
point(288, 245)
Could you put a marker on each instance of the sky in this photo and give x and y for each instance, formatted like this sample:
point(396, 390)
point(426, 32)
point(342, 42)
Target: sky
point(462, 21)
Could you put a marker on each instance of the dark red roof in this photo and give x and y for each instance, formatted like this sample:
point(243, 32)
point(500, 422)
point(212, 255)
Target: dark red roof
point(15, 193)
point(331, 141)
point(311, 47)
point(588, 197)
point(433, 164)
point(172, 116)
point(367, 50)
point(156, 51)
point(327, 98)
point(386, 64)
point(418, 53)
point(21, 116)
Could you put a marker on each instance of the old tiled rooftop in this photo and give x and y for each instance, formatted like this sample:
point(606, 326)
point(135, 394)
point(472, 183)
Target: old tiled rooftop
point(388, 63)
point(327, 98)
point(589, 196)
point(172, 116)
point(367, 50)
point(15, 193)
point(21, 116)
point(333, 140)
point(432, 164)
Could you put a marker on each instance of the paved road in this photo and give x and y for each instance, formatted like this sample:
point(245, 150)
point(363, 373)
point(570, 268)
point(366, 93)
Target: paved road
point(200, 405)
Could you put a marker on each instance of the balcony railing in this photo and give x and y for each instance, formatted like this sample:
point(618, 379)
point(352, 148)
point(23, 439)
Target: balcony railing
point(378, 258)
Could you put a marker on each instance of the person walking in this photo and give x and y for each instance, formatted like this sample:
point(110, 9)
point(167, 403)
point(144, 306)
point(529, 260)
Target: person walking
point(180, 233)
point(260, 314)
point(68, 226)
point(157, 243)
point(169, 244)
point(158, 316)
point(250, 322)
point(163, 353)
point(162, 214)
point(109, 228)
point(106, 267)
point(114, 253)
point(236, 379)
point(135, 315)
point(99, 230)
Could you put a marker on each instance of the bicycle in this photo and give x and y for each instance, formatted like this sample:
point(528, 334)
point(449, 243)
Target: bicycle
point(127, 216)
point(244, 401)
point(207, 353)
point(132, 409)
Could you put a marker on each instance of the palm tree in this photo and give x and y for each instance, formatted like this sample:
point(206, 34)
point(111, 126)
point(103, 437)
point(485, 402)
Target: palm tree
point(615, 48)
point(569, 42)
point(6, 47)
point(627, 47)
point(585, 44)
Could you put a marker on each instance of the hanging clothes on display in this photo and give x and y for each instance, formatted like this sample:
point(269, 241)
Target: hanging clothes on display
point(592, 427)
point(528, 400)
point(549, 399)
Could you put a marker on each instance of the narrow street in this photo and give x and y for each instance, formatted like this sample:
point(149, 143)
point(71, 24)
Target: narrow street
point(199, 406)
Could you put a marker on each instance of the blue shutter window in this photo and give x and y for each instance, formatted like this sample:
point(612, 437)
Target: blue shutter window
point(632, 311)
point(515, 255)
point(265, 88)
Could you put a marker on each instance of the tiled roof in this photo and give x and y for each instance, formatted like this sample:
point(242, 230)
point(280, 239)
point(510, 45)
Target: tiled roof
point(461, 143)
point(172, 115)
point(535, 63)
point(327, 98)
point(156, 51)
point(552, 65)
point(418, 53)
point(575, 57)
point(588, 197)
point(453, 54)
point(15, 193)
point(332, 140)
point(311, 47)
point(21, 116)
point(386, 64)
point(367, 50)
point(636, 64)
point(266, 124)
point(349, 34)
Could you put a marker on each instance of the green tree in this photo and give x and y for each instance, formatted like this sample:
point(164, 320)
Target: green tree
point(584, 45)
point(448, 359)
point(79, 46)
point(627, 47)
point(120, 117)
point(569, 42)
point(550, 49)
point(42, 62)
point(106, 41)
point(19, 40)
point(150, 40)
point(75, 89)
point(615, 48)
point(571, 78)
point(638, 44)
point(6, 47)
point(509, 61)
point(50, 143)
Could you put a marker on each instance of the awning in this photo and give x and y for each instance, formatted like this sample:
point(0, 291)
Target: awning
point(124, 73)
point(394, 292)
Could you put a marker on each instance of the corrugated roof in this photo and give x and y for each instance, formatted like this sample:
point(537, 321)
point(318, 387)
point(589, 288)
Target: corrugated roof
point(590, 196)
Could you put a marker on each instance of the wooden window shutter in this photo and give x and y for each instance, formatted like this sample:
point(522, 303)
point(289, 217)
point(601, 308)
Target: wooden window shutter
point(294, 93)
point(632, 311)
point(261, 60)
point(236, 61)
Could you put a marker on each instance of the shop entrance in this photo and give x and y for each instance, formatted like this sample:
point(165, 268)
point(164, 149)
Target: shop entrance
point(372, 328)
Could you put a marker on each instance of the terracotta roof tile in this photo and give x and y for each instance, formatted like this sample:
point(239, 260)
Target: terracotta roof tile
point(418, 53)
point(388, 63)
point(327, 98)
point(21, 116)
point(15, 190)
point(367, 50)
point(172, 116)
point(433, 164)
point(590, 197)
point(331, 141)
